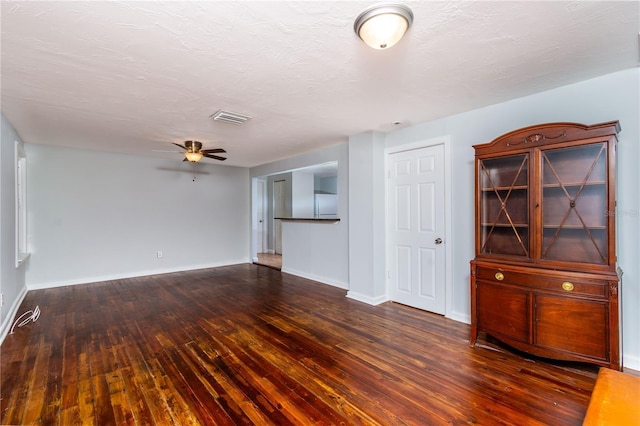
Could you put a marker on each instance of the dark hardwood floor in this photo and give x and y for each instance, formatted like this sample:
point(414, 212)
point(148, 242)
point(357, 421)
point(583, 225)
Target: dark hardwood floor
point(246, 344)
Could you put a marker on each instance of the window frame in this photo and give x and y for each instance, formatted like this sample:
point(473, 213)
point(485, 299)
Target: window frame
point(20, 205)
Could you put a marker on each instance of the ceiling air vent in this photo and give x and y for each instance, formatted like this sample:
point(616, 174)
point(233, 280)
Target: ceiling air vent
point(229, 117)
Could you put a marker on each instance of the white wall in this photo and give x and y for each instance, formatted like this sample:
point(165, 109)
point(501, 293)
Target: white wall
point(367, 277)
point(301, 194)
point(96, 216)
point(318, 251)
point(611, 97)
point(12, 279)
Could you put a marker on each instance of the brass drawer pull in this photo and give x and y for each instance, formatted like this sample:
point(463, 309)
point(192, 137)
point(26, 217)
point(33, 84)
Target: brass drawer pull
point(567, 286)
point(499, 276)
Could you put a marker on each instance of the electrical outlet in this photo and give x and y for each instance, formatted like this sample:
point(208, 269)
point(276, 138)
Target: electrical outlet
point(159, 254)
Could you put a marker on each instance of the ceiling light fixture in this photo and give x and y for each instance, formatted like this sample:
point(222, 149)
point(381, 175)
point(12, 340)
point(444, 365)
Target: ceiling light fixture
point(194, 157)
point(383, 25)
point(193, 153)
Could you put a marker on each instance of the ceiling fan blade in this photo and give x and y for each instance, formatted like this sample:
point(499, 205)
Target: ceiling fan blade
point(215, 157)
point(183, 147)
point(212, 151)
point(185, 159)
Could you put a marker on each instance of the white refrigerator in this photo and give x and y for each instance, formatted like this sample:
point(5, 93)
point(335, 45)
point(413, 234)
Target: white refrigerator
point(326, 205)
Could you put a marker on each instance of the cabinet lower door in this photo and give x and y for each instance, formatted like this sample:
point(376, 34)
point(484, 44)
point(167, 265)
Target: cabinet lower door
point(503, 311)
point(572, 325)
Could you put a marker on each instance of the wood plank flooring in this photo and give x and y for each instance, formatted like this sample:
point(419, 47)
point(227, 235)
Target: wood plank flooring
point(247, 344)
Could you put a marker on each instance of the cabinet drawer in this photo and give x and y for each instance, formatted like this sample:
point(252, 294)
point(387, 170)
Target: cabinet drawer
point(541, 282)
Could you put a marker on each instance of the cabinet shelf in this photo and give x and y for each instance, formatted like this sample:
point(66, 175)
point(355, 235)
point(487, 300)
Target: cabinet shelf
point(505, 225)
point(505, 188)
point(574, 184)
point(576, 227)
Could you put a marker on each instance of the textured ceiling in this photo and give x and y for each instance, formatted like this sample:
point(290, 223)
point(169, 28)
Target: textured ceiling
point(132, 77)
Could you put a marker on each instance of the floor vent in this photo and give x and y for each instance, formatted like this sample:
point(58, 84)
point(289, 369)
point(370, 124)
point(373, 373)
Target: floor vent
point(230, 117)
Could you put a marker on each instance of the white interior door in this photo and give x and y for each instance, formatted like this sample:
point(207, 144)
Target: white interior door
point(278, 211)
point(416, 228)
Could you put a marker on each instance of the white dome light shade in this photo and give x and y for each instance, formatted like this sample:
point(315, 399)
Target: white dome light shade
point(383, 26)
point(194, 157)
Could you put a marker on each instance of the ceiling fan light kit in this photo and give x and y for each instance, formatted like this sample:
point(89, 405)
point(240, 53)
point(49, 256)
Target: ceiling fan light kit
point(383, 25)
point(193, 151)
point(194, 157)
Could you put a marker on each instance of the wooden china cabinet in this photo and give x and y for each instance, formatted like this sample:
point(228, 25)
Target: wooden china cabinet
point(544, 279)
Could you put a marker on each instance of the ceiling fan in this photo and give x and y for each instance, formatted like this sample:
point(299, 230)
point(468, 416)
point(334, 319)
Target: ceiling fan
point(193, 151)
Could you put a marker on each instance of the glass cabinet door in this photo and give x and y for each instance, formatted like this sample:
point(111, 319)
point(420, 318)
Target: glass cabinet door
point(574, 200)
point(504, 205)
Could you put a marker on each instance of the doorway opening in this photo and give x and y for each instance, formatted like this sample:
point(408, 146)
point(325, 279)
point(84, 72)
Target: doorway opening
point(307, 192)
point(264, 256)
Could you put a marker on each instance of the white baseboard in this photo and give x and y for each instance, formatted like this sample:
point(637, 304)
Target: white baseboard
point(460, 317)
point(323, 280)
point(11, 315)
point(89, 280)
point(367, 299)
point(630, 361)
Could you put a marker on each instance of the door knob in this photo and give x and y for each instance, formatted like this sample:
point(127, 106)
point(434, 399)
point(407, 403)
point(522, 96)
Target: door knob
point(438, 241)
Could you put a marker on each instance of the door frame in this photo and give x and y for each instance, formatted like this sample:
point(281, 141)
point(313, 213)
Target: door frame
point(277, 230)
point(445, 141)
point(255, 216)
point(262, 200)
